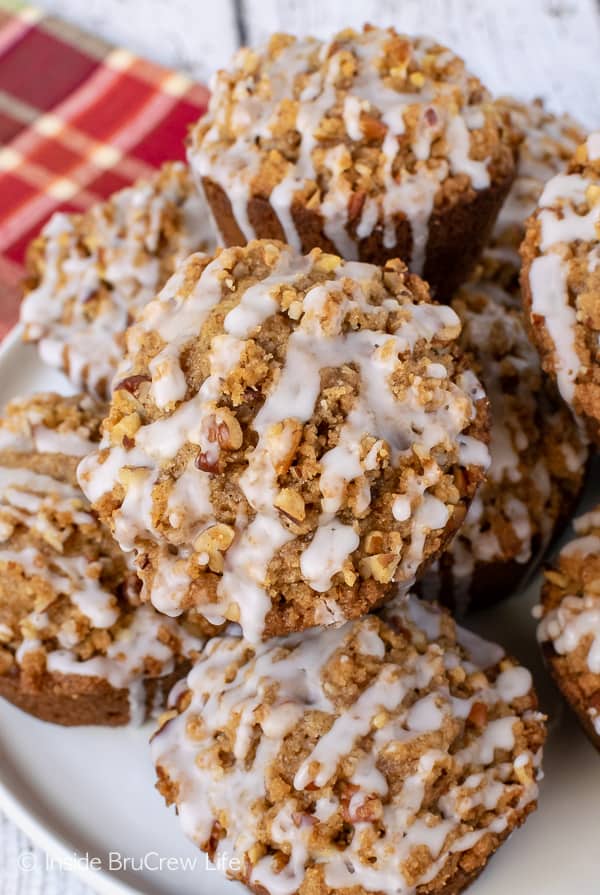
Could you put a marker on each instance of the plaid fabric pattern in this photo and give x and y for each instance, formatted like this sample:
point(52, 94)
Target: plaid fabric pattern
point(79, 119)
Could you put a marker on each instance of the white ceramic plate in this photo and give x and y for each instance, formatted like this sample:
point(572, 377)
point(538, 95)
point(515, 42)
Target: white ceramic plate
point(82, 793)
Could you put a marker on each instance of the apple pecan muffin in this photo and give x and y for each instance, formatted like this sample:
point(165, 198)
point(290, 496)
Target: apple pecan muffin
point(373, 145)
point(88, 274)
point(538, 459)
point(289, 435)
point(561, 281)
point(76, 646)
point(393, 754)
point(569, 628)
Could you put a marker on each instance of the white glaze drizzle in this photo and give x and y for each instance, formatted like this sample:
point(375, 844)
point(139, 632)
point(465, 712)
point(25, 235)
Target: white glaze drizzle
point(319, 340)
point(278, 684)
point(549, 140)
point(51, 510)
point(493, 316)
point(119, 242)
point(251, 114)
point(565, 218)
point(132, 658)
point(577, 616)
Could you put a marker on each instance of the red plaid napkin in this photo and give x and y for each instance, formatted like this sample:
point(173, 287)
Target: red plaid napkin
point(78, 120)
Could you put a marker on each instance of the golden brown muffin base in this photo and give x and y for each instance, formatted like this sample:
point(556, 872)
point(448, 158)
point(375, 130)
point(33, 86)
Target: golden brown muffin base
point(76, 700)
point(573, 576)
point(293, 603)
point(540, 337)
point(569, 684)
point(458, 232)
point(345, 682)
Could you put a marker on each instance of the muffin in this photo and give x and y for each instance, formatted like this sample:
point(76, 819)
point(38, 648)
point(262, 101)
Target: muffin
point(561, 281)
point(393, 754)
point(289, 435)
point(569, 629)
point(548, 143)
point(374, 145)
point(538, 460)
point(88, 274)
point(76, 646)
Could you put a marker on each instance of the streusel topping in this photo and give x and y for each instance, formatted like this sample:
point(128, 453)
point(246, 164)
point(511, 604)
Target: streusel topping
point(364, 127)
point(90, 274)
point(290, 434)
point(372, 758)
point(69, 602)
point(561, 279)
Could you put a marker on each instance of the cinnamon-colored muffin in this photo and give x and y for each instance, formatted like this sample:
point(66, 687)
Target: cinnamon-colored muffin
point(76, 646)
point(538, 452)
point(289, 435)
point(547, 143)
point(373, 145)
point(569, 629)
point(89, 274)
point(561, 281)
point(393, 754)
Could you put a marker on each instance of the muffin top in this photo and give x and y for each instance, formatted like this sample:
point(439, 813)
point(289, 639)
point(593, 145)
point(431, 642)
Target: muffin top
point(538, 451)
point(288, 435)
point(561, 279)
point(390, 754)
point(363, 127)
point(69, 601)
point(88, 274)
point(570, 617)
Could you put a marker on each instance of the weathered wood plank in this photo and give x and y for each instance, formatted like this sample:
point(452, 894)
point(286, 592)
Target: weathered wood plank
point(192, 36)
point(548, 48)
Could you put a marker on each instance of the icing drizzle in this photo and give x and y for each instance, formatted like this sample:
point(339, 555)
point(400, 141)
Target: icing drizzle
point(304, 87)
point(96, 271)
point(321, 338)
point(261, 696)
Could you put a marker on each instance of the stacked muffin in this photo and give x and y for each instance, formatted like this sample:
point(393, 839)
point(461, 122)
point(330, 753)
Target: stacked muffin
point(298, 436)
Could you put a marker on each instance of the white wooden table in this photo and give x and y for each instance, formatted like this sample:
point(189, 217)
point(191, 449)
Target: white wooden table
point(547, 48)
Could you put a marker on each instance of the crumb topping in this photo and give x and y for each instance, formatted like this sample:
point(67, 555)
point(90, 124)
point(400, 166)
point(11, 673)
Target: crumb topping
point(548, 143)
point(374, 757)
point(570, 611)
point(561, 276)
point(287, 430)
point(364, 128)
point(538, 450)
point(89, 274)
point(69, 602)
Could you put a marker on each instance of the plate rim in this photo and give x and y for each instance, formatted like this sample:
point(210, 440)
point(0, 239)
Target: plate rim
point(23, 816)
point(54, 846)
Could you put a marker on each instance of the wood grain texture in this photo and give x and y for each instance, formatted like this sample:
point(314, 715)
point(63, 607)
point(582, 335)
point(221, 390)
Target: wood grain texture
point(548, 48)
point(194, 36)
point(39, 877)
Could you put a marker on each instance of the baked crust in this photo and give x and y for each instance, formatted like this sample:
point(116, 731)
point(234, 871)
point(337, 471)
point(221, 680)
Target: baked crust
point(560, 280)
point(372, 146)
point(76, 646)
point(310, 436)
point(396, 747)
point(569, 629)
point(539, 457)
point(89, 274)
